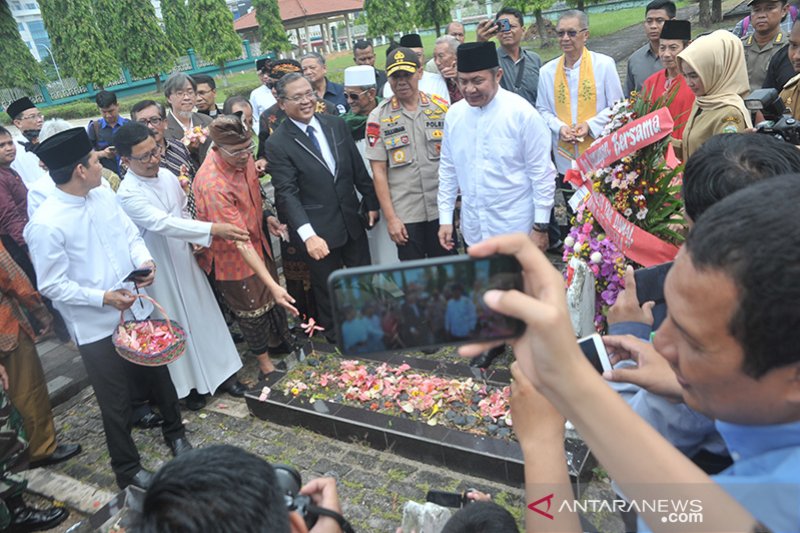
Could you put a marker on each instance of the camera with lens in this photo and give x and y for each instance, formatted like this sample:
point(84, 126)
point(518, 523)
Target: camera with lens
point(778, 122)
point(289, 483)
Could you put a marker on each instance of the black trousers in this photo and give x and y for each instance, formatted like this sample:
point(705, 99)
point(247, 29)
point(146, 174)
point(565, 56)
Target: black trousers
point(355, 252)
point(423, 241)
point(112, 379)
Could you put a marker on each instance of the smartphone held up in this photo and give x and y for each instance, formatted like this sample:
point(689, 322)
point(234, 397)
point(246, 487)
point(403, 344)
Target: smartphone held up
point(421, 305)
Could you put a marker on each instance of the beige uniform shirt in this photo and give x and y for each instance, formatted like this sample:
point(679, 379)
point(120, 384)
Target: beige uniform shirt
point(709, 122)
point(790, 94)
point(757, 58)
point(411, 143)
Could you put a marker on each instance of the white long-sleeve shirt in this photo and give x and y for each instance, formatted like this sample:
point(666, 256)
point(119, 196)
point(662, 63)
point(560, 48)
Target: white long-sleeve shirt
point(26, 164)
point(498, 156)
point(261, 99)
point(609, 91)
point(82, 247)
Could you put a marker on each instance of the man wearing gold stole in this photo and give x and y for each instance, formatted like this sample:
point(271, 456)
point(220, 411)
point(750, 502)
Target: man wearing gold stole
point(576, 91)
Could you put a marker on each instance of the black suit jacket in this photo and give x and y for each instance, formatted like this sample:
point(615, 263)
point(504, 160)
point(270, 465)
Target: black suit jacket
point(175, 131)
point(305, 189)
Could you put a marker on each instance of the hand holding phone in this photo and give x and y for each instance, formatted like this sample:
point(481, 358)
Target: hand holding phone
point(503, 25)
point(138, 274)
point(652, 371)
point(595, 351)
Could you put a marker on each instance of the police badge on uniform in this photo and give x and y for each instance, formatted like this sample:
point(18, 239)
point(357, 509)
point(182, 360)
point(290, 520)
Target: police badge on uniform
point(373, 133)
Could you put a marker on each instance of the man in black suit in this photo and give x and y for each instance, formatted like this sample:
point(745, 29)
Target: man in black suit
point(316, 168)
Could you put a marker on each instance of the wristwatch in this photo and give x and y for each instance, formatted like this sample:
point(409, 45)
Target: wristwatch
point(540, 227)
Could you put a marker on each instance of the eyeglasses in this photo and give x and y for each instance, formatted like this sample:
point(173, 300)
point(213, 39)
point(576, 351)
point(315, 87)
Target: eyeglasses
point(184, 92)
point(155, 121)
point(155, 153)
point(301, 97)
point(570, 33)
point(239, 153)
point(35, 116)
point(355, 96)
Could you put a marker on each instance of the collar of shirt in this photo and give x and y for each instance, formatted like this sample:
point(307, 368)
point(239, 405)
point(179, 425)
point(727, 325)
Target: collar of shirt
point(191, 119)
point(745, 442)
point(104, 123)
point(503, 53)
point(68, 198)
point(313, 123)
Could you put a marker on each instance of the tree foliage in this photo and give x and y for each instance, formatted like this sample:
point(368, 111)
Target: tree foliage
point(80, 48)
point(273, 34)
point(177, 24)
point(23, 71)
point(432, 13)
point(139, 42)
point(212, 24)
point(385, 17)
point(537, 7)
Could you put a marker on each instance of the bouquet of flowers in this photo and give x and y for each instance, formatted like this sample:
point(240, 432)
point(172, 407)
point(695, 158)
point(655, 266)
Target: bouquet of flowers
point(628, 206)
point(195, 136)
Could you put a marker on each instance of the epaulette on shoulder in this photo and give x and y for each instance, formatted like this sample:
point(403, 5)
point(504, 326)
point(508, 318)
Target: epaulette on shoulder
point(440, 102)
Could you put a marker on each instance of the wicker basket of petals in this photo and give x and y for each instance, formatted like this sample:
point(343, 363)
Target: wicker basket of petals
point(153, 342)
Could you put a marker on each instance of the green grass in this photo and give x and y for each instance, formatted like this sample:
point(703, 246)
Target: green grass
point(602, 24)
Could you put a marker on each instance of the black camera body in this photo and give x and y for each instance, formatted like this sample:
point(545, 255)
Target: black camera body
point(289, 483)
point(786, 128)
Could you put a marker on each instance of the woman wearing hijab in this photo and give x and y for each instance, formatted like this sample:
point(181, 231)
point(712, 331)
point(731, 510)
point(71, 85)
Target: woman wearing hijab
point(714, 69)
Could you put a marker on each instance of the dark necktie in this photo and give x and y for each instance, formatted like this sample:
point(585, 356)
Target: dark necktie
point(314, 141)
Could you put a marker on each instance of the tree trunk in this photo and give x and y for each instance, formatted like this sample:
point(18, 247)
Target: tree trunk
point(544, 39)
point(157, 77)
point(716, 11)
point(581, 5)
point(705, 13)
point(438, 30)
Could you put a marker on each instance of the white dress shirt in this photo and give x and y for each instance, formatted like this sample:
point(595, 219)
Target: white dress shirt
point(39, 190)
point(609, 92)
point(261, 99)
point(430, 83)
point(82, 247)
point(498, 156)
point(26, 164)
point(306, 231)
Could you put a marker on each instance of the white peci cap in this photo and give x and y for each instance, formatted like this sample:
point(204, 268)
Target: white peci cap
point(359, 76)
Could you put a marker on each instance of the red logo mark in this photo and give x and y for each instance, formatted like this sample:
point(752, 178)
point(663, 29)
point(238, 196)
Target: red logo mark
point(545, 513)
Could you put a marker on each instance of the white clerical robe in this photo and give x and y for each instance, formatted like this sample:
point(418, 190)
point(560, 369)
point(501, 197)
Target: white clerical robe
point(81, 247)
point(498, 156)
point(382, 249)
point(430, 83)
point(261, 99)
point(26, 164)
point(39, 190)
point(609, 92)
point(158, 207)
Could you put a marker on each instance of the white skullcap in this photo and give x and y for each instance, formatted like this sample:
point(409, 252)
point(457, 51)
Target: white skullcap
point(359, 76)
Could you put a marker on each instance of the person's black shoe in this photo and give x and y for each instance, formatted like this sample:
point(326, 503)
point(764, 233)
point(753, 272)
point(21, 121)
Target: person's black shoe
point(25, 519)
point(141, 479)
point(149, 421)
point(179, 446)
point(195, 401)
point(235, 389)
point(62, 453)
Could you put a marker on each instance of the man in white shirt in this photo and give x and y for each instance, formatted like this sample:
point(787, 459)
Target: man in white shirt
point(261, 98)
point(83, 246)
point(28, 120)
point(496, 152)
point(578, 116)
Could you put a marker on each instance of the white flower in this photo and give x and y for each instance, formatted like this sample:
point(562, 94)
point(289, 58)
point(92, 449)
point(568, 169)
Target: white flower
point(596, 258)
point(628, 212)
point(642, 214)
point(569, 241)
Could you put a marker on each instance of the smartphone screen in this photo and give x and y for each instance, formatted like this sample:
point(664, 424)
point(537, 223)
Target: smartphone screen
point(445, 499)
point(595, 351)
point(422, 304)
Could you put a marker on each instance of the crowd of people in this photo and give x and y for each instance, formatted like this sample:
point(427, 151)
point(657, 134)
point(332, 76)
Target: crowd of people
point(467, 149)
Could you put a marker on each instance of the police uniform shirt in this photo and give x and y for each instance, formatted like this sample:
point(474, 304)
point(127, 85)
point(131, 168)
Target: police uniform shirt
point(410, 143)
point(758, 58)
point(791, 96)
point(705, 123)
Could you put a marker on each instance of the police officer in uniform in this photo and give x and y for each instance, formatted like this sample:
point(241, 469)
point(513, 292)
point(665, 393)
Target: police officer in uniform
point(766, 41)
point(404, 141)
